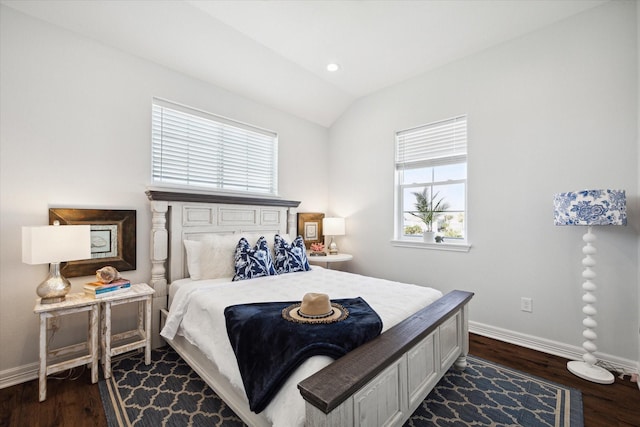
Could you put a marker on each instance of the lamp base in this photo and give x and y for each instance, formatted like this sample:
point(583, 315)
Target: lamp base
point(333, 247)
point(588, 372)
point(55, 287)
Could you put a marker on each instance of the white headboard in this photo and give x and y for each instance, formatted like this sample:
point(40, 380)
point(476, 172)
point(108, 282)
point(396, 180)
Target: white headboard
point(179, 216)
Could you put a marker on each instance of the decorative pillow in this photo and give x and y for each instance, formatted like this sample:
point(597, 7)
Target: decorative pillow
point(253, 262)
point(290, 257)
point(211, 257)
point(269, 237)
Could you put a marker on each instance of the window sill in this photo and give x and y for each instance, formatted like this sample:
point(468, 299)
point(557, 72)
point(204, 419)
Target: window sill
point(452, 247)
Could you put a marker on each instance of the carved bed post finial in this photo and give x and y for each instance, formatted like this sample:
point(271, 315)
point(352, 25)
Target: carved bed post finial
point(159, 245)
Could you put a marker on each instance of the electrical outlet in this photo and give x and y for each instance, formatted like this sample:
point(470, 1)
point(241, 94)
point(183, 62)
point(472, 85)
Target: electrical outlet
point(526, 304)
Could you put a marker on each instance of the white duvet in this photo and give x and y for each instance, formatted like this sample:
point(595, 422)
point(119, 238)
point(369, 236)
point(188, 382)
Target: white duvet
point(197, 313)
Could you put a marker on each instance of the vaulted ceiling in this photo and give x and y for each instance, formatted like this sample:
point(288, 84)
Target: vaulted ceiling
point(276, 52)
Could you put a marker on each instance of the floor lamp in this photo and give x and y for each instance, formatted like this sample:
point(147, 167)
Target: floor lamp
point(590, 207)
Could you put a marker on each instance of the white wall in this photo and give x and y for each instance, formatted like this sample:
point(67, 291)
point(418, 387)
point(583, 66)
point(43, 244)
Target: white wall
point(75, 132)
point(553, 111)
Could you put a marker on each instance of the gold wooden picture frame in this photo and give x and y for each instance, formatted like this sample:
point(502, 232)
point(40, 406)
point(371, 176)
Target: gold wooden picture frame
point(310, 228)
point(113, 239)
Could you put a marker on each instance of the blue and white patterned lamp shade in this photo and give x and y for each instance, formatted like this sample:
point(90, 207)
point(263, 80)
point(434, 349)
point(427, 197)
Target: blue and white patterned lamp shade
point(590, 207)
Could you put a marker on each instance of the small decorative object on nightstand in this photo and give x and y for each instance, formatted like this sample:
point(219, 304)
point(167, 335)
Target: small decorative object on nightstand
point(317, 249)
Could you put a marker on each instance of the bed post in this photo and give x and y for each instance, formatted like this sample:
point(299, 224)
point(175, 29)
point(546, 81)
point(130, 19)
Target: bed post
point(292, 222)
point(159, 253)
point(461, 362)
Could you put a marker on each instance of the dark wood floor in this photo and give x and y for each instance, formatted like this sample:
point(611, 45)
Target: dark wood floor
point(611, 405)
point(77, 403)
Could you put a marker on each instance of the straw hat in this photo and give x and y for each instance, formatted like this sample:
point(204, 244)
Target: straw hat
point(315, 308)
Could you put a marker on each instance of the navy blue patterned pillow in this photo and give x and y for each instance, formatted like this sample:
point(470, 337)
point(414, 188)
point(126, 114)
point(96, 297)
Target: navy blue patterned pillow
point(290, 257)
point(253, 262)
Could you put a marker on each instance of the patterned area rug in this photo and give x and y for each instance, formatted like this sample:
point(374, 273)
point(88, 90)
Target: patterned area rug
point(488, 394)
point(169, 393)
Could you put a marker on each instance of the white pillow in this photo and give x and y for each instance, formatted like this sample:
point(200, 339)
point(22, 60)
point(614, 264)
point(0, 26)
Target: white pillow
point(213, 256)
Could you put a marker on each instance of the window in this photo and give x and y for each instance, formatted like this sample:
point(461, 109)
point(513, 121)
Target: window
point(197, 149)
point(431, 161)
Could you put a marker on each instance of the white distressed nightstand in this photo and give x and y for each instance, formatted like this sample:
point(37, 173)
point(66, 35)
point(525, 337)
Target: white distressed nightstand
point(99, 310)
point(140, 293)
point(328, 259)
point(50, 359)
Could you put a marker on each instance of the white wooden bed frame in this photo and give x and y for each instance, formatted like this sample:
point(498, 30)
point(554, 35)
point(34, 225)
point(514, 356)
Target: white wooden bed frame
point(378, 384)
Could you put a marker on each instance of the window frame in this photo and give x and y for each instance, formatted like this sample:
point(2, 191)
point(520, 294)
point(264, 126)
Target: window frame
point(220, 139)
point(403, 163)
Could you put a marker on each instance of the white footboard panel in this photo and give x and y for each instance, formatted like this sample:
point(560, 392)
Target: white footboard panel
point(395, 393)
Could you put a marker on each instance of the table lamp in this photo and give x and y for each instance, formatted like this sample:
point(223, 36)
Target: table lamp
point(333, 227)
point(53, 244)
point(590, 207)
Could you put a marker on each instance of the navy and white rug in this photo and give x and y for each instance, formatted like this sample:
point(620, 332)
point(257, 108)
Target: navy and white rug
point(169, 393)
point(488, 394)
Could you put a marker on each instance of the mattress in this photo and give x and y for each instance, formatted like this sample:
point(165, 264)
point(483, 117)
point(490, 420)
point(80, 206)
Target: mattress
point(197, 314)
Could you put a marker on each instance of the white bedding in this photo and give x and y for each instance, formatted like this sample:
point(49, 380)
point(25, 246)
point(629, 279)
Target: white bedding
point(197, 313)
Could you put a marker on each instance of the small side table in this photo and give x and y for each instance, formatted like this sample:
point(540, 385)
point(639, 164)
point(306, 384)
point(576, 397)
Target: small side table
point(328, 259)
point(140, 293)
point(73, 303)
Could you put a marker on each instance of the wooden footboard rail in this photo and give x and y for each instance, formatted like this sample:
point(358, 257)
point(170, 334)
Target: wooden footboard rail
point(383, 382)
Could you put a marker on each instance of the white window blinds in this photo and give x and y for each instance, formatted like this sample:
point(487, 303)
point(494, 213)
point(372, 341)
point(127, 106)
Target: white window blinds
point(436, 143)
point(195, 148)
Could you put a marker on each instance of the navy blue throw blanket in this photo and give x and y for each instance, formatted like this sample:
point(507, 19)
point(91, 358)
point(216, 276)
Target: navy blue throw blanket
point(269, 348)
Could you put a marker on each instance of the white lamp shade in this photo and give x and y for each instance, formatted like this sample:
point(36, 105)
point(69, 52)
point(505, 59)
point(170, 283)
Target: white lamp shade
point(590, 207)
point(55, 243)
point(333, 226)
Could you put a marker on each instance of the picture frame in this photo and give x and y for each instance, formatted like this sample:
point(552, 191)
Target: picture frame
point(310, 227)
point(113, 239)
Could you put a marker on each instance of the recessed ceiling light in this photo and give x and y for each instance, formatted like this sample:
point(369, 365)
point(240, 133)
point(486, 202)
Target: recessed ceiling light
point(333, 67)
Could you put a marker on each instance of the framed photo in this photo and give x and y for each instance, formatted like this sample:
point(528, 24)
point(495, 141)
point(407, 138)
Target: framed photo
point(310, 227)
point(113, 239)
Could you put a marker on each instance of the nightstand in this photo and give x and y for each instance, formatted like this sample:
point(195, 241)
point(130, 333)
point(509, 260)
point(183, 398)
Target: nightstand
point(328, 259)
point(141, 294)
point(50, 359)
point(99, 310)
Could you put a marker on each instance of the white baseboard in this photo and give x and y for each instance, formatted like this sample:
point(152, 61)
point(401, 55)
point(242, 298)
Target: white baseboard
point(18, 375)
point(618, 364)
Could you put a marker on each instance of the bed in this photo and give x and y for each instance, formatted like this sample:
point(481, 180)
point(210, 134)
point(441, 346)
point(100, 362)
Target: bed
point(378, 383)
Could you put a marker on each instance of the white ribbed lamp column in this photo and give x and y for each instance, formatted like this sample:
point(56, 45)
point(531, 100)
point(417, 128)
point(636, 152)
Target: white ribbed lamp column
point(590, 207)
